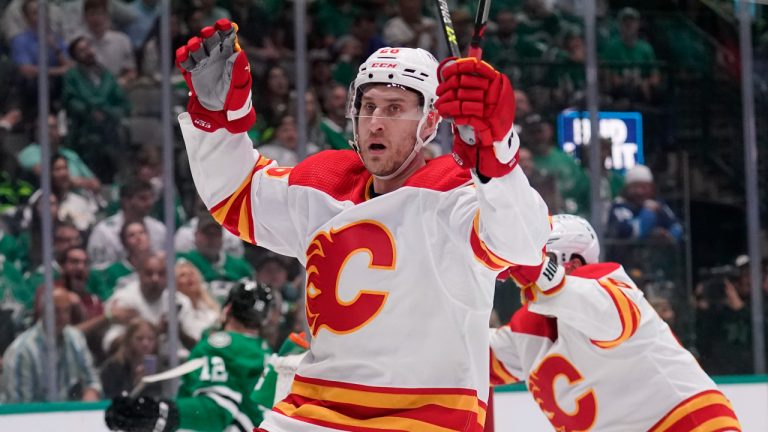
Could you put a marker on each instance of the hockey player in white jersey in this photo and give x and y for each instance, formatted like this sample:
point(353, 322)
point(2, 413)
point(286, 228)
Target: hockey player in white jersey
point(397, 249)
point(594, 353)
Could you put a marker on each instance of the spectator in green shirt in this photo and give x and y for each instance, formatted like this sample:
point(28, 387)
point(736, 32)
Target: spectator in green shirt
point(82, 177)
point(632, 74)
point(135, 240)
point(507, 47)
point(334, 125)
point(95, 104)
point(220, 270)
point(573, 183)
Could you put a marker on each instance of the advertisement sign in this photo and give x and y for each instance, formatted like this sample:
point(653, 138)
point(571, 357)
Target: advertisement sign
point(624, 129)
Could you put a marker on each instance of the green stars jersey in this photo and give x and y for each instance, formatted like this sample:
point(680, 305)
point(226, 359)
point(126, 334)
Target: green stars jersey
point(216, 396)
point(222, 275)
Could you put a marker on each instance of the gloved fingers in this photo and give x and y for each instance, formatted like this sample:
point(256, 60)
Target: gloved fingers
point(468, 94)
point(196, 50)
point(446, 63)
point(211, 39)
point(448, 107)
point(449, 84)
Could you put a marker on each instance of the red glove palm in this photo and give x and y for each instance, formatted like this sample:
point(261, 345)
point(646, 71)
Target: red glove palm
point(547, 278)
point(218, 73)
point(474, 94)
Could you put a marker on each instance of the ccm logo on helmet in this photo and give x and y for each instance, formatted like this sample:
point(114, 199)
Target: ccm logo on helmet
point(384, 65)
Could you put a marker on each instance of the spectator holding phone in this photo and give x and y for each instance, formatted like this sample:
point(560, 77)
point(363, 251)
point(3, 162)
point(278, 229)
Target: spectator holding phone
point(136, 357)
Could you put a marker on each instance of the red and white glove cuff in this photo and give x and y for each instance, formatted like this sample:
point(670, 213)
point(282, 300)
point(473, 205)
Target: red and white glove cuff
point(549, 279)
point(507, 148)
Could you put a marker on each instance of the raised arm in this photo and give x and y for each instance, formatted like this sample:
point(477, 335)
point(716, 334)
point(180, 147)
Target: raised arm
point(244, 191)
point(511, 225)
point(598, 300)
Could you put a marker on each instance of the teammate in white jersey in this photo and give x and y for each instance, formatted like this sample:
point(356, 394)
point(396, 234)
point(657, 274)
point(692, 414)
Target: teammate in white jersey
point(593, 351)
point(397, 249)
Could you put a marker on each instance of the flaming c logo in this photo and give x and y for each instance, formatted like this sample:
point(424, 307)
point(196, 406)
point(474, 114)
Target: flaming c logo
point(327, 255)
point(541, 383)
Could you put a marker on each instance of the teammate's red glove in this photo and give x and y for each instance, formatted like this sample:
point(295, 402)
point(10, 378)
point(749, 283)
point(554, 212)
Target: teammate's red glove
point(474, 94)
point(546, 278)
point(218, 73)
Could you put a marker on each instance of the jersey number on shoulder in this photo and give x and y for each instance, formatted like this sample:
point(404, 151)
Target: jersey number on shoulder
point(214, 370)
point(542, 384)
point(327, 255)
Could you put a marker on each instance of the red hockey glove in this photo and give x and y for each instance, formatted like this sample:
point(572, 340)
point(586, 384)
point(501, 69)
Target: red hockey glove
point(474, 94)
point(218, 73)
point(546, 278)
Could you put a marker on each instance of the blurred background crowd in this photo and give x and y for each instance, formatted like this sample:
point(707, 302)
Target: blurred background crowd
point(676, 221)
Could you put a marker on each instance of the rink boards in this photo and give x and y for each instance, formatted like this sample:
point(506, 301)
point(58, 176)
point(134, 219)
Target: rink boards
point(514, 410)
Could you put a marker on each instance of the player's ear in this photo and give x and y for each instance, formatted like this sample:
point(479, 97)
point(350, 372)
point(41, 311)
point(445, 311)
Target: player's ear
point(430, 124)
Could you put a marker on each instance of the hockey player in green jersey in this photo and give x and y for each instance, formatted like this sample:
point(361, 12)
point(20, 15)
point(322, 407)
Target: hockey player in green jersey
point(215, 397)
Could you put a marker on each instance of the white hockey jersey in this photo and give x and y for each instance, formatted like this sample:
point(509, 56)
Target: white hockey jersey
point(597, 357)
point(399, 287)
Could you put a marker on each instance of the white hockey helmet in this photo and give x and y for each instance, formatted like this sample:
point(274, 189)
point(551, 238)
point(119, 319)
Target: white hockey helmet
point(411, 68)
point(573, 235)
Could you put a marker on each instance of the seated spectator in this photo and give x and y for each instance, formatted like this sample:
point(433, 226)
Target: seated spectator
point(14, 191)
point(282, 147)
point(184, 239)
point(336, 130)
point(12, 293)
point(136, 200)
point(145, 12)
point(506, 47)
point(24, 53)
point(148, 167)
point(205, 309)
point(113, 49)
point(75, 207)
point(638, 215)
point(137, 351)
point(274, 97)
point(117, 275)
point(365, 30)
point(148, 296)
point(549, 159)
point(723, 320)
point(65, 237)
point(545, 184)
point(219, 270)
point(410, 28)
point(81, 176)
point(88, 313)
point(95, 104)
point(568, 75)
point(540, 22)
point(272, 270)
point(24, 362)
point(633, 75)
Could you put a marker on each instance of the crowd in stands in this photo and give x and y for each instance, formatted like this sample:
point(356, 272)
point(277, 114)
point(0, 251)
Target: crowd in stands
point(103, 59)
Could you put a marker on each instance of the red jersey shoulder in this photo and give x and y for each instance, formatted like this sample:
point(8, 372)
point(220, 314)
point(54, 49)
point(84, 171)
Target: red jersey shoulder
point(339, 173)
point(526, 322)
point(596, 271)
point(441, 174)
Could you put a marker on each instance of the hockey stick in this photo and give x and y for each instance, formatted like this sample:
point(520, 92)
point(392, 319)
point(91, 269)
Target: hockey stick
point(447, 26)
point(481, 23)
point(180, 370)
point(467, 133)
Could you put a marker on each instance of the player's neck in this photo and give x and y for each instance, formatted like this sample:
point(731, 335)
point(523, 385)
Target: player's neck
point(234, 326)
point(381, 186)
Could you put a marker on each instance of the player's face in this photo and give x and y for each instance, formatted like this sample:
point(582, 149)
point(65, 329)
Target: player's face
point(386, 127)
